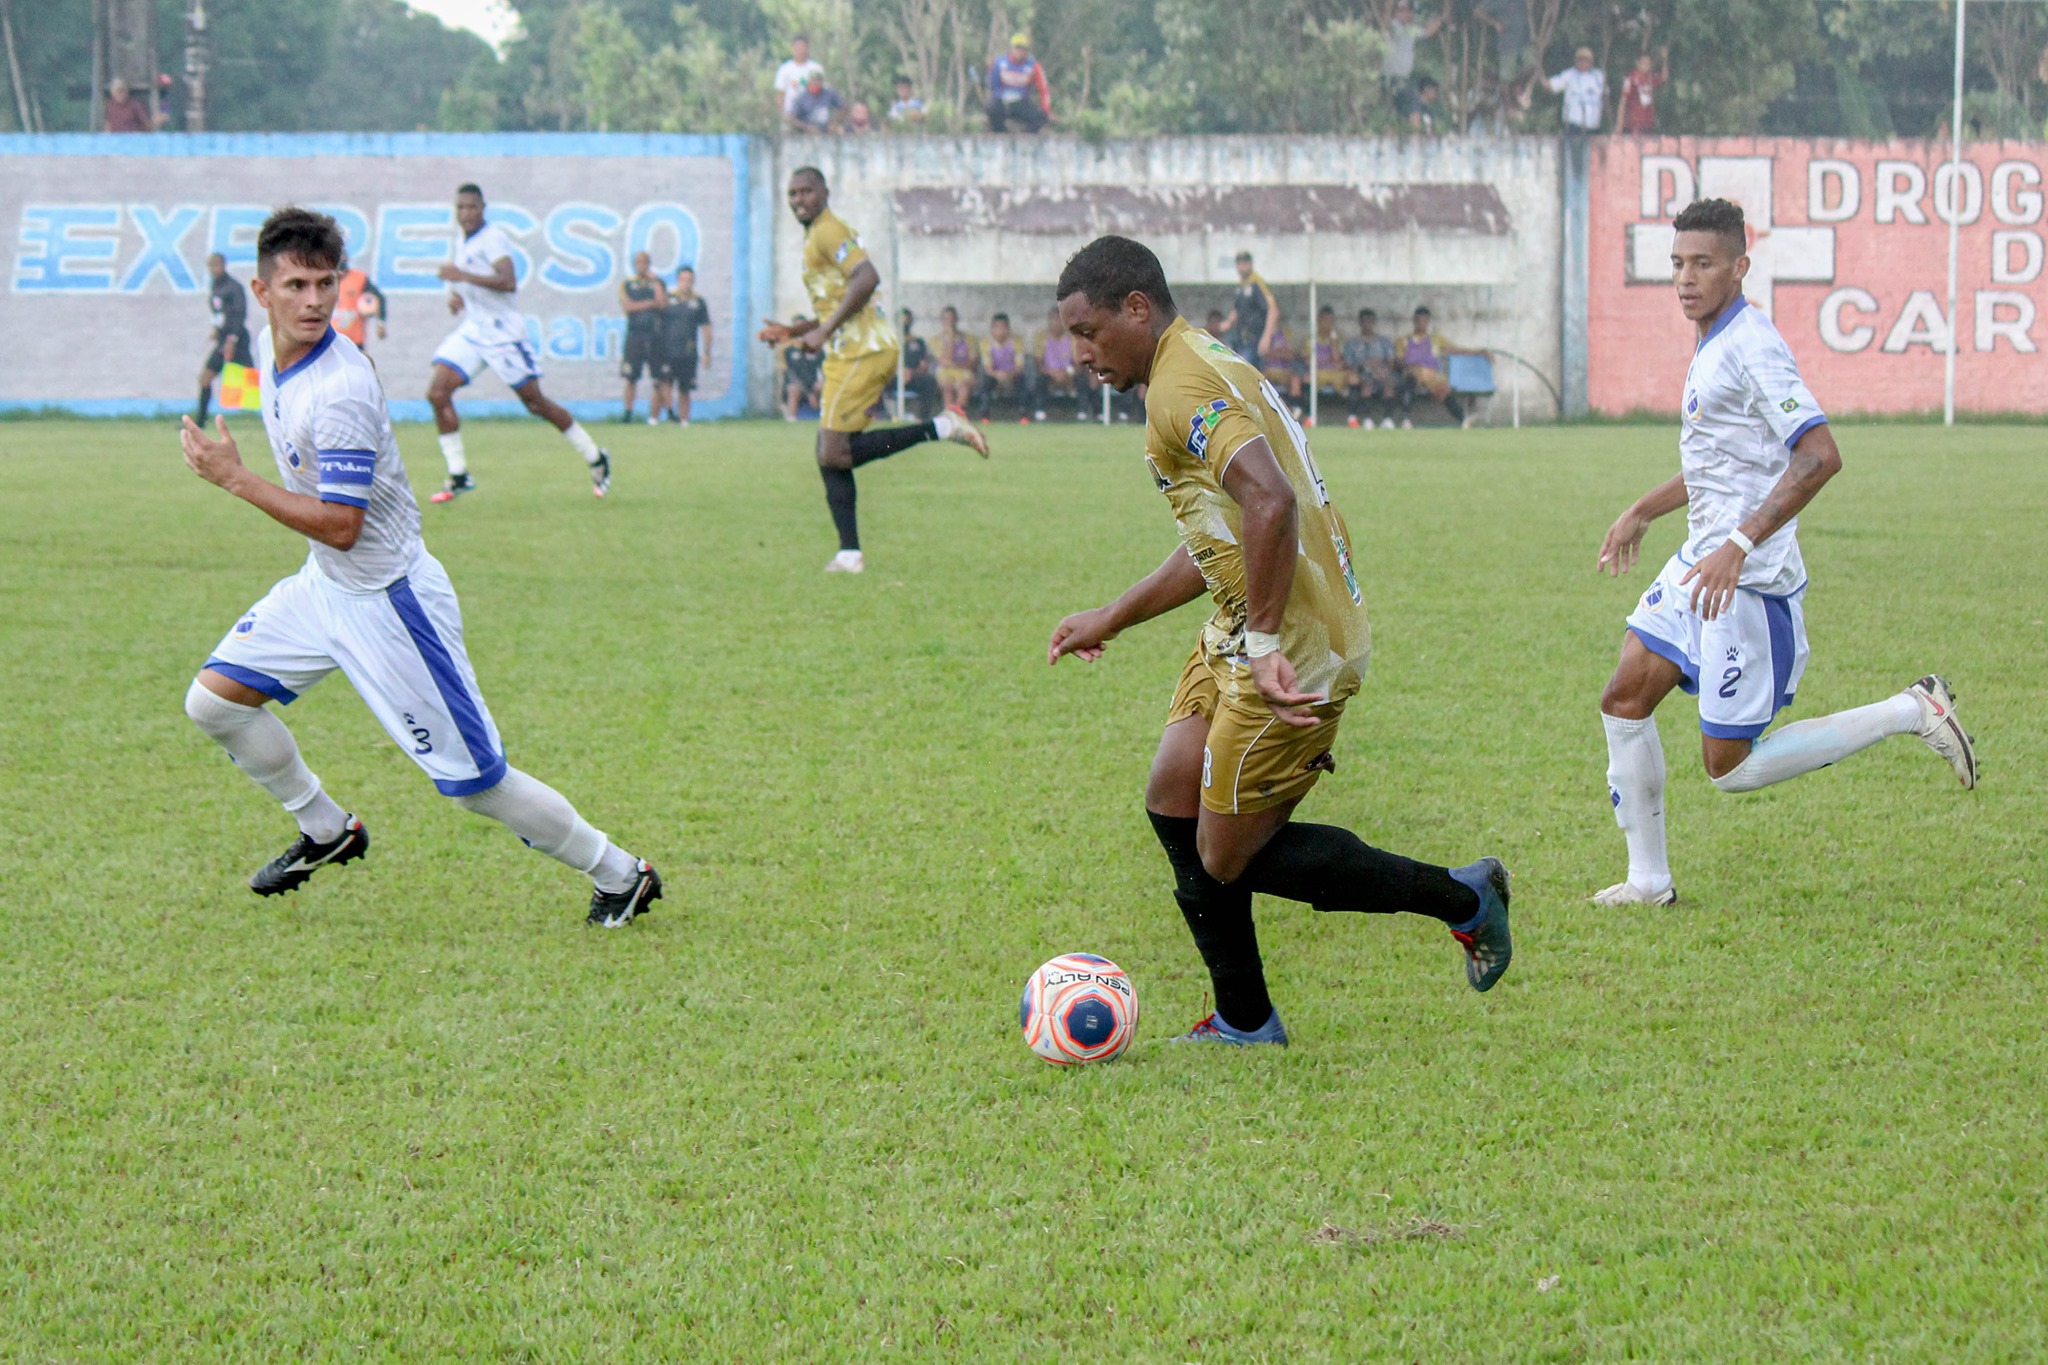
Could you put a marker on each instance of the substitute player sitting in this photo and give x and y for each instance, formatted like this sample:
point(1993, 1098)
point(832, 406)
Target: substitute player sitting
point(1255, 716)
point(370, 600)
point(481, 282)
point(860, 362)
point(1725, 618)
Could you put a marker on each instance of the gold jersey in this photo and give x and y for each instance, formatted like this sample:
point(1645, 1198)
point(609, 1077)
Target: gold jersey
point(1203, 405)
point(831, 251)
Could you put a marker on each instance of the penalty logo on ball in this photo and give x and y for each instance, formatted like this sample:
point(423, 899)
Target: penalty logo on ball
point(1078, 1008)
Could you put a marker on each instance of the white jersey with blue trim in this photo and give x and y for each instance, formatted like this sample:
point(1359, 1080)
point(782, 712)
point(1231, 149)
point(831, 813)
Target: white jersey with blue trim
point(1745, 408)
point(489, 316)
point(328, 427)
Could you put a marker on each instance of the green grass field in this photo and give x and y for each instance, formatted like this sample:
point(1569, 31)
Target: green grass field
point(418, 1112)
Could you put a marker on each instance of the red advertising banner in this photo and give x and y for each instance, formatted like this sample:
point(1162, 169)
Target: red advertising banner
point(1849, 257)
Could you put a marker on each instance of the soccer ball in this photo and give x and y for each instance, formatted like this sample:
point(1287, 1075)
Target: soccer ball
point(1078, 1008)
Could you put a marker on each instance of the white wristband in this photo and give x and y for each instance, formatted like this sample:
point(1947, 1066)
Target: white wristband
point(1258, 644)
point(1747, 545)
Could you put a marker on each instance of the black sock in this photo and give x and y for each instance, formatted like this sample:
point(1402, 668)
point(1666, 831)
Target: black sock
point(869, 446)
point(205, 401)
point(840, 496)
point(1220, 918)
point(1333, 869)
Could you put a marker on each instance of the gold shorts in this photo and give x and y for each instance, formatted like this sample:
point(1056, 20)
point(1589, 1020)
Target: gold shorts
point(1252, 760)
point(853, 384)
point(954, 374)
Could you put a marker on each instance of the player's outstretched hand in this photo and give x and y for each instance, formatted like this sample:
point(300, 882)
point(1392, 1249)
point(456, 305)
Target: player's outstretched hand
point(1624, 543)
point(1713, 580)
point(1083, 635)
point(1277, 683)
point(217, 462)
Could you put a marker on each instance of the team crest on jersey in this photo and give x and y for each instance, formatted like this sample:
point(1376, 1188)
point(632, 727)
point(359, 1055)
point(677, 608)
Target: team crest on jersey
point(1692, 407)
point(1201, 424)
point(291, 455)
point(246, 624)
point(1653, 597)
point(839, 255)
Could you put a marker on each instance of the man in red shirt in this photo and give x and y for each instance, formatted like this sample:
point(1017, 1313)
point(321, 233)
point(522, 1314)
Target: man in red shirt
point(126, 113)
point(1639, 94)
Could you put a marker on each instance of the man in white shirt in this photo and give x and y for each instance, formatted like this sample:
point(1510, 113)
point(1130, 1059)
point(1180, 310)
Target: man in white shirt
point(791, 75)
point(1725, 620)
point(369, 601)
point(1584, 87)
point(492, 332)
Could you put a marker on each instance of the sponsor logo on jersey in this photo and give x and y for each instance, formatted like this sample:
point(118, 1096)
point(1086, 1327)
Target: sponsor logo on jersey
point(1158, 478)
point(1201, 424)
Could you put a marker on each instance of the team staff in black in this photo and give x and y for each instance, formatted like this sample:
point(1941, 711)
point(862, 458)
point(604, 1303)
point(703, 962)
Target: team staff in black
point(642, 299)
point(685, 344)
point(229, 301)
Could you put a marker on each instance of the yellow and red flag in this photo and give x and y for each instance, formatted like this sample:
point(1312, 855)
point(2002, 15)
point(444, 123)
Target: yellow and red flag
point(241, 388)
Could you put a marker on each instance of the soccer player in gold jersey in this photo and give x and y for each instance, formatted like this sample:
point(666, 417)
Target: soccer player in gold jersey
point(860, 361)
point(1256, 713)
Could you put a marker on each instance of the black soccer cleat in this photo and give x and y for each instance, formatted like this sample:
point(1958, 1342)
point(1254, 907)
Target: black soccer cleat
point(601, 474)
point(616, 909)
point(296, 866)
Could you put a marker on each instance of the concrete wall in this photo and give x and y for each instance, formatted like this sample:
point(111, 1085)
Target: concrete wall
point(1495, 285)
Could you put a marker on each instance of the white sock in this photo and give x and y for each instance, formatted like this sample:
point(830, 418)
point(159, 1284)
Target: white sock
point(263, 748)
point(943, 426)
point(543, 817)
point(1809, 744)
point(451, 451)
point(580, 438)
point(1635, 783)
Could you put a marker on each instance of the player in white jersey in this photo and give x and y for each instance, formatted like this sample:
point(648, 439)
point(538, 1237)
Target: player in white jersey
point(370, 600)
point(481, 282)
point(1725, 618)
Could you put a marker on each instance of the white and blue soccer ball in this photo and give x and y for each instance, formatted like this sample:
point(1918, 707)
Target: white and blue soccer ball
point(1078, 1008)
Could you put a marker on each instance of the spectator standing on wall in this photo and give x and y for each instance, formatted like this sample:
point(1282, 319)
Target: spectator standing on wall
point(859, 118)
point(816, 107)
point(908, 110)
point(791, 75)
point(1639, 93)
point(1370, 358)
point(1253, 313)
point(126, 113)
point(1398, 65)
point(1416, 105)
point(1017, 92)
point(1584, 87)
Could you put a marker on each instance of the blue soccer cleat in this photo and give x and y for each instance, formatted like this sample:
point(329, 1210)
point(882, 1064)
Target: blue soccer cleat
point(1488, 947)
point(1214, 1030)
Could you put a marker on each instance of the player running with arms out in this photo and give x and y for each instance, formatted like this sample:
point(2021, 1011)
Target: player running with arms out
point(1258, 705)
point(370, 600)
point(1724, 619)
point(481, 282)
point(230, 305)
point(860, 362)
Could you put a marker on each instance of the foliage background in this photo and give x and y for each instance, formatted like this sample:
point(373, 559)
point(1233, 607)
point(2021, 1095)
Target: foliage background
point(1857, 68)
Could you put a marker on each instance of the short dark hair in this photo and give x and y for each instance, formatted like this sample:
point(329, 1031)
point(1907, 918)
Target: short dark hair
point(1244, 255)
point(1368, 313)
point(902, 79)
point(307, 237)
point(470, 188)
point(686, 266)
point(1426, 83)
point(811, 171)
point(1718, 216)
point(1000, 317)
point(1422, 311)
point(1110, 269)
point(1326, 308)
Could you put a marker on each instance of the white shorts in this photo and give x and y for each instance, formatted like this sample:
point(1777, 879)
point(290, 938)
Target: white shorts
point(512, 361)
point(1744, 665)
point(401, 648)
